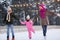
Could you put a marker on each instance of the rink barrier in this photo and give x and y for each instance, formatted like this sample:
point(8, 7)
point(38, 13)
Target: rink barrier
point(23, 28)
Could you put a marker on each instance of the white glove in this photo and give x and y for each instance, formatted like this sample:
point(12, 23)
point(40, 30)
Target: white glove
point(58, 15)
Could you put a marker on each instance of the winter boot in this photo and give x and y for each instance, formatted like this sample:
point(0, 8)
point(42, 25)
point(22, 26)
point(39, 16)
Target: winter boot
point(8, 38)
point(13, 38)
point(29, 37)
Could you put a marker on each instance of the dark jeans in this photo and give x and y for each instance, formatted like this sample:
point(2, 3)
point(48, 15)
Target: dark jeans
point(10, 26)
point(44, 27)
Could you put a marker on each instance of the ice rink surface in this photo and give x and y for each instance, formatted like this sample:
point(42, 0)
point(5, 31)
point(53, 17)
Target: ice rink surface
point(52, 34)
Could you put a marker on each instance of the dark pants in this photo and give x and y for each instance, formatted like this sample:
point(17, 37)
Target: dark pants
point(44, 27)
point(10, 26)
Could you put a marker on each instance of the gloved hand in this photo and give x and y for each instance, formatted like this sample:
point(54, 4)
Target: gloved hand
point(58, 15)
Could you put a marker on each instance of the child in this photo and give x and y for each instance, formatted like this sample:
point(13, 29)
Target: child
point(29, 25)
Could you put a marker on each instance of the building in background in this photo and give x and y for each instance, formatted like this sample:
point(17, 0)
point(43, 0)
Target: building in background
point(24, 7)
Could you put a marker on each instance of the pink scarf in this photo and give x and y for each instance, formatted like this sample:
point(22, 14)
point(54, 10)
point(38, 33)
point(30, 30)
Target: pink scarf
point(42, 11)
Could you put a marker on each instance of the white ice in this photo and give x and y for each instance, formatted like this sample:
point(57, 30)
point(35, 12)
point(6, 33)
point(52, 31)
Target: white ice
point(52, 34)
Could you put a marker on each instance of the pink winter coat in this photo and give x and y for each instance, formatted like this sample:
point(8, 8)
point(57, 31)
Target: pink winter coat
point(29, 24)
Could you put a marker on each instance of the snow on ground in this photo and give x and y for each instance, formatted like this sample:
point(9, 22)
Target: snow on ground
point(52, 34)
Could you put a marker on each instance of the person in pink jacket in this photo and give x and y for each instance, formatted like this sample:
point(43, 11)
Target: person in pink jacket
point(29, 25)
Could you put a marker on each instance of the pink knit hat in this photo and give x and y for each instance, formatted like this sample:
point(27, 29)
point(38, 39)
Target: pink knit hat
point(42, 5)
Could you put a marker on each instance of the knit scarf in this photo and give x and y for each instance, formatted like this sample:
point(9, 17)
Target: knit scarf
point(8, 17)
